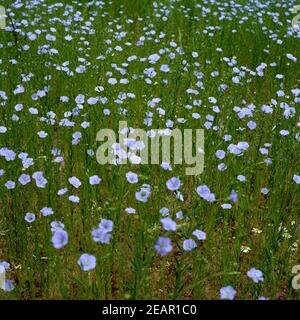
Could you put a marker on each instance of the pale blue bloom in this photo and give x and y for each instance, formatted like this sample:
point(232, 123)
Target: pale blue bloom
point(5, 265)
point(10, 184)
point(296, 178)
point(227, 293)
point(199, 234)
point(166, 166)
point(205, 193)
point(256, 275)
point(142, 195)
point(241, 178)
point(40, 181)
point(59, 238)
point(132, 177)
point(164, 211)
point(30, 217)
point(220, 154)
point(42, 134)
point(28, 162)
point(251, 125)
point(179, 215)
point(189, 245)
point(179, 195)
point(87, 262)
point(8, 285)
point(164, 68)
point(24, 179)
point(74, 199)
point(106, 226)
point(100, 236)
point(47, 211)
point(130, 210)
point(226, 206)
point(94, 180)
point(62, 191)
point(75, 182)
point(8, 154)
point(233, 196)
point(173, 184)
point(168, 224)
point(56, 225)
point(163, 246)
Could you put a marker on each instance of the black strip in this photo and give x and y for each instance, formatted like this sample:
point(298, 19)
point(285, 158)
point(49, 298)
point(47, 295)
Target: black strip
point(117, 309)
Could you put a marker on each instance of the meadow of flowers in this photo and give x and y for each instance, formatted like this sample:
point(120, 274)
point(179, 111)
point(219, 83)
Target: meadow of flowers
point(71, 228)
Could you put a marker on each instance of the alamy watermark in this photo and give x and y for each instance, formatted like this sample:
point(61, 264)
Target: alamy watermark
point(2, 277)
point(2, 17)
point(296, 19)
point(137, 146)
point(296, 278)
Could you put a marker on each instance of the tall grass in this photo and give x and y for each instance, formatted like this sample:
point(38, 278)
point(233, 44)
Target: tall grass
point(129, 267)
